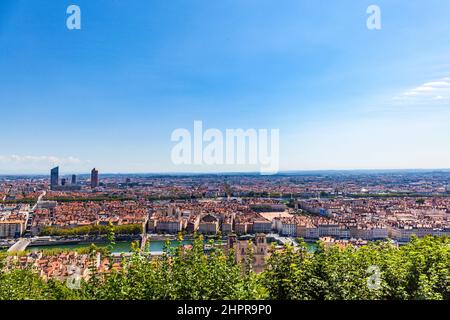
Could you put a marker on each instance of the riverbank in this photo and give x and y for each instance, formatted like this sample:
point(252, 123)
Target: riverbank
point(125, 246)
point(118, 247)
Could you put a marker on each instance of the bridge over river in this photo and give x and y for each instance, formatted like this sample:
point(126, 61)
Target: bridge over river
point(20, 245)
point(283, 240)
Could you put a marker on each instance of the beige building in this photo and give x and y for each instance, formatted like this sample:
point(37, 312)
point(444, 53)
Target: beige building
point(209, 224)
point(172, 226)
point(243, 227)
point(307, 232)
point(227, 227)
point(193, 223)
point(11, 228)
point(262, 226)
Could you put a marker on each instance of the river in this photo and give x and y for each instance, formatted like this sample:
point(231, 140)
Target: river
point(124, 247)
point(119, 247)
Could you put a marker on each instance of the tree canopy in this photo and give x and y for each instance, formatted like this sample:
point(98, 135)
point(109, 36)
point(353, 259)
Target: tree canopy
point(417, 270)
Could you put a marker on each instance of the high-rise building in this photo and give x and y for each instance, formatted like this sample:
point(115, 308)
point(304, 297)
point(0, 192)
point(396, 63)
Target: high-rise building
point(63, 181)
point(94, 178)
point(74, 179)
point(54, 178)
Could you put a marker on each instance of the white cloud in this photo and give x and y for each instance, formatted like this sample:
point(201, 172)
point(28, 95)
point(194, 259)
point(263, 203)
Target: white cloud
point(429, 92)
point(32, 163)
point(34, 159)
point(444, 83)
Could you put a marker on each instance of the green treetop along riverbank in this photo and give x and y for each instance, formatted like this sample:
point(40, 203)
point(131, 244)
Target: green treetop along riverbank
point(417, 270)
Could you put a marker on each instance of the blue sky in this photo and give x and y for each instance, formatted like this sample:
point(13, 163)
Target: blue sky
point(110, 95)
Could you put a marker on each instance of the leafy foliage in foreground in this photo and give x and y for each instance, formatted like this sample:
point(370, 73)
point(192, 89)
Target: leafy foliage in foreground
point(418, 270)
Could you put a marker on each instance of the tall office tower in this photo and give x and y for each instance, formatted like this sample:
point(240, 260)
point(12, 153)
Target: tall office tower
point(94, 178)
point(74, 179)
point(63, 181)
point(54, 177)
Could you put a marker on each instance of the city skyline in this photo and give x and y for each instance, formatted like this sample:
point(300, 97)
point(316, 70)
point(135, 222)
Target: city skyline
point(69, 174)
point(344, 97)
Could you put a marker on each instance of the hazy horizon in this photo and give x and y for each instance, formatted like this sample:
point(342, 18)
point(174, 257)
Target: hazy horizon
point(281, 172)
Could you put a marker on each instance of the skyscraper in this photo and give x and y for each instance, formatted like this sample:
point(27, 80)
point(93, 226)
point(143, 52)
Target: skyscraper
point(74, 179)
point(54, 177)
point(94, 178)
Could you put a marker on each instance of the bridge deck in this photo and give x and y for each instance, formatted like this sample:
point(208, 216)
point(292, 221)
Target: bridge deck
point(19, 246)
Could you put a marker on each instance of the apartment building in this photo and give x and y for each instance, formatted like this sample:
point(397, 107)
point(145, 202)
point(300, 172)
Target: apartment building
point(406, 233)
point(209, 224)
point(369, 233)
point(307, 232)
point(289, 228)
point(243, 227)
point(169, 225)
point(12, 228)
point(262, 226)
